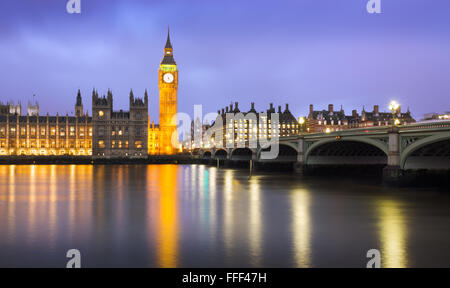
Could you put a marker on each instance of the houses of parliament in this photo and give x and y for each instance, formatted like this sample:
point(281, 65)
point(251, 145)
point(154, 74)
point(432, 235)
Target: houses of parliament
point(106, 134)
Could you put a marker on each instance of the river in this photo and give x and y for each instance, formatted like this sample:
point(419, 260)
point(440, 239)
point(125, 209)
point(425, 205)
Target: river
point(201, 216)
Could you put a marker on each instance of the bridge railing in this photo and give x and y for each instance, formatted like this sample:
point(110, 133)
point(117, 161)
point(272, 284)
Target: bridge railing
point(434, 124)
point(438, 124)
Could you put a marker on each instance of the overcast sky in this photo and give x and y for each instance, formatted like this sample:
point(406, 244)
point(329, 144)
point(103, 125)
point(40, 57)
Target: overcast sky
point(299, 52)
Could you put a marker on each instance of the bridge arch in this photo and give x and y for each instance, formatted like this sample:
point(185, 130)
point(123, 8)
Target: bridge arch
point(220, 154)
point(423, 143)
point(206, 155)
point(286, 151)
point(359, 147)
point(241, 154)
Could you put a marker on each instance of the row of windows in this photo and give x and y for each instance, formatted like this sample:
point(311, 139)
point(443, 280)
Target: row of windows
point(120, 131)
point(120, 144)
point(101, 114)
point(43, 144)
point(43, 131)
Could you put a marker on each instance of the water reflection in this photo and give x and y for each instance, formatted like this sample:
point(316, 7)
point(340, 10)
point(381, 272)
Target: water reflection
point(168, 217)
point(393, 233)
point(53, 202)
point(255, 225)
point(31, 204)
point(183, 216)
point(301, 227)
point(228, 212)
point(11, 205)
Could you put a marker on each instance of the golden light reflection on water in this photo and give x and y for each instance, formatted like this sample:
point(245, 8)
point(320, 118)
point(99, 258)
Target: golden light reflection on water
point(53, 218)
point(31, 203)
point(168, 217)
point(255, 220)
point(11, 204)
point(301, 227)
point(393, 233)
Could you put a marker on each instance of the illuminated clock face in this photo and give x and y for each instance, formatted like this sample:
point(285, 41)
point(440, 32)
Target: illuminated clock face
point(168, 77)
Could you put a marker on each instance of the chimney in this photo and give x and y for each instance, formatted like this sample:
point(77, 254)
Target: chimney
point(311, 109)
point(279, 109)
point(330, 107)
point(253, 105)
point(223, 111)
point(236, 104)
point(354, 114)
point(226, 109)
point(376, 109)
point(231, 107)
point(287, 107)
point(218, 112)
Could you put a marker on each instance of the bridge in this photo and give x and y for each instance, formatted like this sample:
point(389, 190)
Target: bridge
point(423, 145)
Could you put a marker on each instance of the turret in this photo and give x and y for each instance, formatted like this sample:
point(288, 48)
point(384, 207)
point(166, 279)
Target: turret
point(79, 105)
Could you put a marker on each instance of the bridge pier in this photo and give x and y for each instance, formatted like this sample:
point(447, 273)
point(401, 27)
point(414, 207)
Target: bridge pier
point(392, 172)
point(300, 166)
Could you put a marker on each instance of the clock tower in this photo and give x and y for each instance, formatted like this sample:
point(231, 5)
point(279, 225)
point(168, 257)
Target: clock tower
point(168, 86)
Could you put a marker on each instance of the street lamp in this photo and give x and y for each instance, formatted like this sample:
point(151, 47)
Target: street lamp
point(393, 106)
point(301, 121)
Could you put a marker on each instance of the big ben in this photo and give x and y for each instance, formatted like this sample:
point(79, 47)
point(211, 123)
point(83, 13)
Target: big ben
point(168, 86)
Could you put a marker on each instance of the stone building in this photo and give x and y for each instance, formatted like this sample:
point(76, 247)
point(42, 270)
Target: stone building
point(119, 134)
point(153, 138)
point(245, 129)
point(331, 120)
point(44, 135)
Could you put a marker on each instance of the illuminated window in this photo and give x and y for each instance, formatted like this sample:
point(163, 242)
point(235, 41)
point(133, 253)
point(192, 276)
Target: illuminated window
point(101, 144)
point(138, 144)
point(72, 131)
point(113, 144)
point(126, 144)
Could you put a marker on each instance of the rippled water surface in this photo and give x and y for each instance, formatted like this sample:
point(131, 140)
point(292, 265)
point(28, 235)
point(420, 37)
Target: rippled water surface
point(201, 216)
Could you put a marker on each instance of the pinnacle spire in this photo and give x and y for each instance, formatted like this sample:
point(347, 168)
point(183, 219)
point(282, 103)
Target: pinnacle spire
point(168, 44)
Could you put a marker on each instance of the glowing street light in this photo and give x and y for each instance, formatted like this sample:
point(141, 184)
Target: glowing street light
point(301, 121)
point(393, 106)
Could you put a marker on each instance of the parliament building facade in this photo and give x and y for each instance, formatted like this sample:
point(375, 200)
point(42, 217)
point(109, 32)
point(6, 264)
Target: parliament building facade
point(107, 134)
